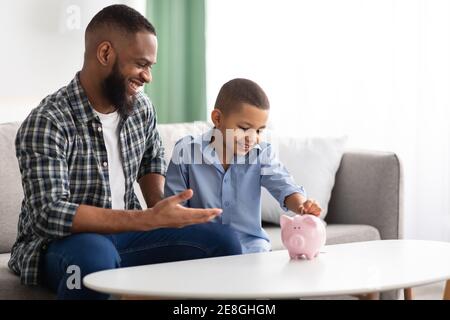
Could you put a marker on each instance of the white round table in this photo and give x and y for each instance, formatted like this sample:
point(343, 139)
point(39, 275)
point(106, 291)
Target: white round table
point(352, 268)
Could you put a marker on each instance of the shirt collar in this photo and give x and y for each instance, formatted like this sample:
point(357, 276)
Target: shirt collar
point(79, 102)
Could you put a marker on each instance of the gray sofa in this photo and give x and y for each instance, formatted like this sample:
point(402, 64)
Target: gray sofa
point(365, 205)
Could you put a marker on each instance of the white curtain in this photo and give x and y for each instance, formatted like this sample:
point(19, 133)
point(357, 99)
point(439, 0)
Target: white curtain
point(377, 71)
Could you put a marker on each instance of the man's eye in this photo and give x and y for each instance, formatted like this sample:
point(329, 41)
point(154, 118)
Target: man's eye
point(245, 129)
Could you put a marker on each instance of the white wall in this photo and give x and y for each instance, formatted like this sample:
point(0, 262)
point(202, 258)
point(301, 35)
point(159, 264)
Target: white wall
point(376, 71)
point(42, 48)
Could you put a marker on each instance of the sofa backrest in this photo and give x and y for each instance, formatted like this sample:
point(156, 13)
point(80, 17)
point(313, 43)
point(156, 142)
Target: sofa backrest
point(10, 187)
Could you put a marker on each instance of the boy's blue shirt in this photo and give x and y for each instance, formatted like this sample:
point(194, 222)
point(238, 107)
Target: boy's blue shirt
point(237, 191)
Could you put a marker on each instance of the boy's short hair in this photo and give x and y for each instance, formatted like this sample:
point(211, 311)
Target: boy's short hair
point(238, 91)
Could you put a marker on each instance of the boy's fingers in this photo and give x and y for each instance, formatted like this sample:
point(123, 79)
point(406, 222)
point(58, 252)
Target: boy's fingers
point(307, 205)
point(302, 209)
point(314, 209)
point(310, 206)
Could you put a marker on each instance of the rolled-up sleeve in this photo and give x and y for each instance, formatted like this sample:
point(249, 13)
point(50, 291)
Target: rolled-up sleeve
point(41, 153)
point(276, 179)
point(153, 160)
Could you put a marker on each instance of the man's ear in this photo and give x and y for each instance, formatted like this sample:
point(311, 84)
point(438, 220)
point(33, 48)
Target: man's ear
point(105, 54)
point(216, 117)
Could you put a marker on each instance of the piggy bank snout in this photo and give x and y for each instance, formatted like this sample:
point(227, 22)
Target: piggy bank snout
point(296, 241)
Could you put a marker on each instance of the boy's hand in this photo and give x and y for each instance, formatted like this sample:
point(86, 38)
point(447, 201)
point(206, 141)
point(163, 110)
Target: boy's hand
point(310, 207)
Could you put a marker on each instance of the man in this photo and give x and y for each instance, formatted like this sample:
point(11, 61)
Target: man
point(80, 152)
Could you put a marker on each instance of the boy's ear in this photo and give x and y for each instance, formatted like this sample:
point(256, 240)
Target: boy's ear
point(216, 117)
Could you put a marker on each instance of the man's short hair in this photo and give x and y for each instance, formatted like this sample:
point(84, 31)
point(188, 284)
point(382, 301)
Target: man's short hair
point(238, 91)
point(122, 18)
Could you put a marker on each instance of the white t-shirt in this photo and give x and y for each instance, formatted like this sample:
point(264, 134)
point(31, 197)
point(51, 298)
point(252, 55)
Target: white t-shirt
point(110, 128)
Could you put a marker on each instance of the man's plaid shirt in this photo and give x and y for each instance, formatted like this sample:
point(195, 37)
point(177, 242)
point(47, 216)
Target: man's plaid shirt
point(63, 163)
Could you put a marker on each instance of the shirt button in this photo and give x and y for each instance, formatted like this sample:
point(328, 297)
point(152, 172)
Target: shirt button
point(109, 199)
point(227, 203)
point(225, 180)
point(105, 164)
point(99, 129)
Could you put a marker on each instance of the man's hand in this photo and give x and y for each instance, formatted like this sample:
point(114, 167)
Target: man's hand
point(168, 213)
point(310, 207)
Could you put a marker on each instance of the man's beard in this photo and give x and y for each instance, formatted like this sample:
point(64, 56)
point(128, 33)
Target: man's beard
point(114, 89)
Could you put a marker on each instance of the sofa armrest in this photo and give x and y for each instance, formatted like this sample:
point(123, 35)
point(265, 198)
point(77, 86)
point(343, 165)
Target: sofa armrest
point(368, 190)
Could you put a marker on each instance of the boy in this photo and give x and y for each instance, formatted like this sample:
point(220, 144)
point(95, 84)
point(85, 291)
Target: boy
point(226, 166)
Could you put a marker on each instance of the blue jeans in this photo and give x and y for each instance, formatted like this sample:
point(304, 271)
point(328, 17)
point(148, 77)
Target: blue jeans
point(92, 252)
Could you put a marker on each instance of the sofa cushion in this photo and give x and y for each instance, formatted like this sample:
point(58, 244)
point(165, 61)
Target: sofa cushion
point(336, 233)
point(313, 163)
point(11, 193)
point(11, 289)
point(344, 233)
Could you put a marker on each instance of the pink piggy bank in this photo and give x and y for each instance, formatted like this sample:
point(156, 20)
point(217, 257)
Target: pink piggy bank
point(302, 235)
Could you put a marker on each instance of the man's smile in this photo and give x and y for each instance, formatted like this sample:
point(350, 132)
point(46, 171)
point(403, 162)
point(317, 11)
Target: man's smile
point(135, 86)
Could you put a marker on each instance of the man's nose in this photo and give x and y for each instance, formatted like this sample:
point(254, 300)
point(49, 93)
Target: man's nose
point(146, 76)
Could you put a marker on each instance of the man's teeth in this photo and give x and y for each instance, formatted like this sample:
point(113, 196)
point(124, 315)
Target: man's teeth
point(134, 86)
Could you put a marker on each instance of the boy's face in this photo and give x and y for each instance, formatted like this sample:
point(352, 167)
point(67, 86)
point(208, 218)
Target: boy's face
point(244, 127)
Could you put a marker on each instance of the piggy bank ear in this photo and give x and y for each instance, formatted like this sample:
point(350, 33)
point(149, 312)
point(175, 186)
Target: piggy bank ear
point(310, 220)
point(285, 220)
